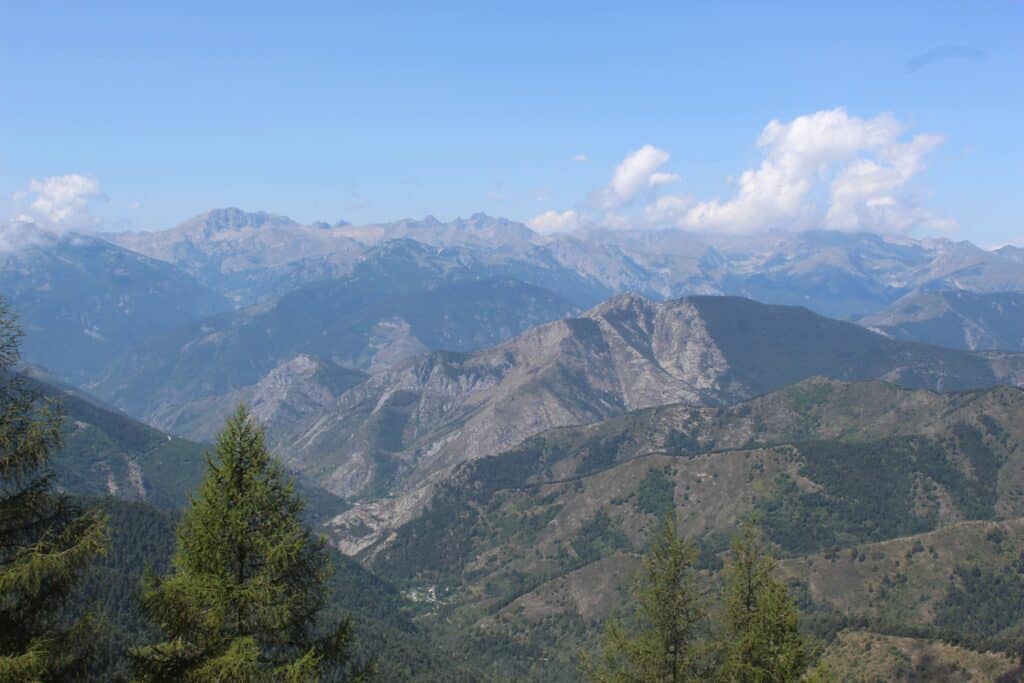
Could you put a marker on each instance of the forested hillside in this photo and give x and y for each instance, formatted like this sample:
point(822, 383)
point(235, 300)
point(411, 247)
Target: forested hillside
point(866, 489)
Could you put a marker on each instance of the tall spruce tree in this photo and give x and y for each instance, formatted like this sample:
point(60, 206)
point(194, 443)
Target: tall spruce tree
point(45, 542)
point(664, 641)
point(247, 581)
point(762, 641)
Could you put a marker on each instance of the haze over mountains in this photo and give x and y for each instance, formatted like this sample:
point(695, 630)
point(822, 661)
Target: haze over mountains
point(228, 258)
point(350, 330)
point(494, 417)
point(837, 274)
point(83, 300)
point(957, 319)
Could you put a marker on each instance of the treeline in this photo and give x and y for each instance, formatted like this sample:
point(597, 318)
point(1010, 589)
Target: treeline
point(243, 596)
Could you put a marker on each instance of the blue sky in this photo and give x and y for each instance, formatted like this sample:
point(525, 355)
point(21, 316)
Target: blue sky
point(346, 111)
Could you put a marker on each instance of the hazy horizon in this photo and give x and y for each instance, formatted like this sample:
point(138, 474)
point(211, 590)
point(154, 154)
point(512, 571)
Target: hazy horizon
point(714, 119)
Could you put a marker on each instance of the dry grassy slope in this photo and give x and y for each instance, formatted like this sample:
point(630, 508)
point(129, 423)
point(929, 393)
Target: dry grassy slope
point(711, 494)
point(862, 657)
point(817, 408)
point(905, 579)
point(547, 534)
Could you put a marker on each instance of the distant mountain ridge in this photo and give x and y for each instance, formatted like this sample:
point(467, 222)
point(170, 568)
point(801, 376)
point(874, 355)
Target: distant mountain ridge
point(247, 256)
point(957, 319)
point(83, 301)
point(253, 255)
point(404, 300)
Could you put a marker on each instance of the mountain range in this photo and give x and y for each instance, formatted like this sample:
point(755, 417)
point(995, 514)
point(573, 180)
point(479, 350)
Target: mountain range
point(82, 301)
point(493, 419)
point(403, 430)
point(955, 318)
point(836, 274)
point(93, 302)
point(382, 357)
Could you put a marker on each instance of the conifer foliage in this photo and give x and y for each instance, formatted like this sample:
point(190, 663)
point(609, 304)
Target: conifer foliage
point(762, 640)
point(45, 542)
point(247, 579)
point(668, 643)
point(670, 638)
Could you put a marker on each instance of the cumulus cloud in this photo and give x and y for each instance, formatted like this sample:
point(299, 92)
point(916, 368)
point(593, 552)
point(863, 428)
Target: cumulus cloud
point(634, 174)
point(61, 203)
point(825, 169)
point(663, 179)
point(51, 206)
point(667, 210)
point(797, 155)
point(555, 221)
point(865, 193)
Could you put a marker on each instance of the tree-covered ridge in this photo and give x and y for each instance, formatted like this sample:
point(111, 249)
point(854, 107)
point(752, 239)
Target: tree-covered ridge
point(959, 582)
point(749, 443)
point(538, 543)
point(104, 452)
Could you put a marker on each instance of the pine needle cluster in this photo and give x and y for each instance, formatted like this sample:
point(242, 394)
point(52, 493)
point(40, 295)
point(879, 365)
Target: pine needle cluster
point(46, 543)
point(248, 579)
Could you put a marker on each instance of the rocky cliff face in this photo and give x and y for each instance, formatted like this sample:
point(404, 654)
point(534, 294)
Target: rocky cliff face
point(402, 431)
point(445, 408)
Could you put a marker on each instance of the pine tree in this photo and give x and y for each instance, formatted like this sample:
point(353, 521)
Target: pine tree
point(762, 641)
point(667, 641)
point(247, 579)
point(45, 542)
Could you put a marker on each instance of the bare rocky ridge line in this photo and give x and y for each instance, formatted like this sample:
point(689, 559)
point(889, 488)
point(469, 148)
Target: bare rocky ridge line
point(839, 274)
point(418, 423)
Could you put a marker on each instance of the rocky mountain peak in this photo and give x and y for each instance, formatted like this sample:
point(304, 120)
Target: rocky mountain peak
point(628, 303)
point(233, 219)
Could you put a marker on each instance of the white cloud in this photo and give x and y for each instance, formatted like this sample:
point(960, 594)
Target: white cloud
point(798, 155)
point(555, 221)
point(663, 179)
point(61, 203)
point(667, 210)
point(18, 232)
point(49, 207)
point(825, 169)
point(865, 193)
point(580, 158)
point(634, 174)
